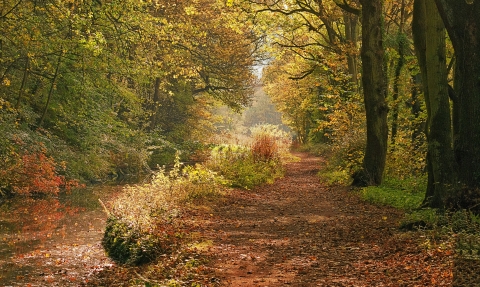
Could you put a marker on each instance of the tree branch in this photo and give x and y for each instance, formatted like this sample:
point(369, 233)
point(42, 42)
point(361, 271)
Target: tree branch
point(305, 74)
point(347, 7)
point(11, 10)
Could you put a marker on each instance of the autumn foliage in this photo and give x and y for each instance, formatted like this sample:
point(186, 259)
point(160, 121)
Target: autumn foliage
point(264, 148)
point(145, 221)
point(34, 172)
point(37, 173)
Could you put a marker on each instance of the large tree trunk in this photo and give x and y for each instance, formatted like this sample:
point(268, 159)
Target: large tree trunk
point(429, 39)
point(374, 82)
point(462, 21)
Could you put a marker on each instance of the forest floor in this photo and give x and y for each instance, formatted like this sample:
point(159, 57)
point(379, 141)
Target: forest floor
point(300, 232)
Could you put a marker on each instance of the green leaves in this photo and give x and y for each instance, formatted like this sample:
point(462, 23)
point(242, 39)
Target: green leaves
point(124, 68)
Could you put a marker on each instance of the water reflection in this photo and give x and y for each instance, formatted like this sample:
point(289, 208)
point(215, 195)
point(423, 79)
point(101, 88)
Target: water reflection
point(52, 241)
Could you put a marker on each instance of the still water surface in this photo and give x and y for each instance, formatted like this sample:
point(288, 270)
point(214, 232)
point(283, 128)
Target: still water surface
point(53, 241)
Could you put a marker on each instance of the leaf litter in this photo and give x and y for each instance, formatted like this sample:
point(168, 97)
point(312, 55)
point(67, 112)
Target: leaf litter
point(300, 232)
point(295, 232)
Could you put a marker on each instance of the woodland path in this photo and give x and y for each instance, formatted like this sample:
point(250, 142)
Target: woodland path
point(298, 232)
point(295, 232)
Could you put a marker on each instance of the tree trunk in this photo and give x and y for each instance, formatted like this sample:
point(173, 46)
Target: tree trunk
point(155, 104)
point(462, 21)
point(429, 39)
point(419, 127)
point(374, 82)
point(402, 45)
point(21, 91)
point(351, 36)
point(50, 92)
point(396, 91)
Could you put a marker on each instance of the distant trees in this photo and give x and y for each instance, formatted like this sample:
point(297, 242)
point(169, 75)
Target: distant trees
point(313, 46)
point(322, 35)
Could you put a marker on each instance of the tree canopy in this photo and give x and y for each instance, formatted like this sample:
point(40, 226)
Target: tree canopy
point(104, 79)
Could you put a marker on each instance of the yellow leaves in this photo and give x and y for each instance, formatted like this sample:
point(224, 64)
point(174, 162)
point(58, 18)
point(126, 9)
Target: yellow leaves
point(164, 21)
point(190, 10)
point(229, 3)
point(95, 43)
point(6, 82)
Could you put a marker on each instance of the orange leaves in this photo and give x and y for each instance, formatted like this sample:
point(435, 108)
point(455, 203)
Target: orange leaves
point(35, 172)
point(264, 148)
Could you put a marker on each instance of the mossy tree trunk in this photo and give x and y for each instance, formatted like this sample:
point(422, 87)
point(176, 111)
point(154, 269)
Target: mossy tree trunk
point(462, 21)
point(429, 39)
point(374, 81)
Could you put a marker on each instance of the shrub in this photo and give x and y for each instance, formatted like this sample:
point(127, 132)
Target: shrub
point(33, 172)
point(264, 148)
point(406, 159)
point(465, 221)
point(201, 182)
point(143, 221)
point(270, 141)
point(461, 227)
point(127, 245)
point(346, 137)
point(238, 165)
point(421, 218)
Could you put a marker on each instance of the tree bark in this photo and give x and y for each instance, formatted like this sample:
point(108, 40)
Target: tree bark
point(429, 39)
point(374, 82)
point(462, 21)
point(402, 45)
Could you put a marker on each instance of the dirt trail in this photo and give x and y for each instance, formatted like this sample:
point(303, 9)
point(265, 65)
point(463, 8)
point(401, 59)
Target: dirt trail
point(297, 232)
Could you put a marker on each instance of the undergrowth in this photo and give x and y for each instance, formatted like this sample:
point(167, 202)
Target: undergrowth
point(242, 168)
point(402, 194)
point(460, 229)
point(246, 166)
point(145, 221)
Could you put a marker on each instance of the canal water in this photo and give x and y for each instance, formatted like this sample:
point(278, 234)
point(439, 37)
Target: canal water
point(53, 241)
